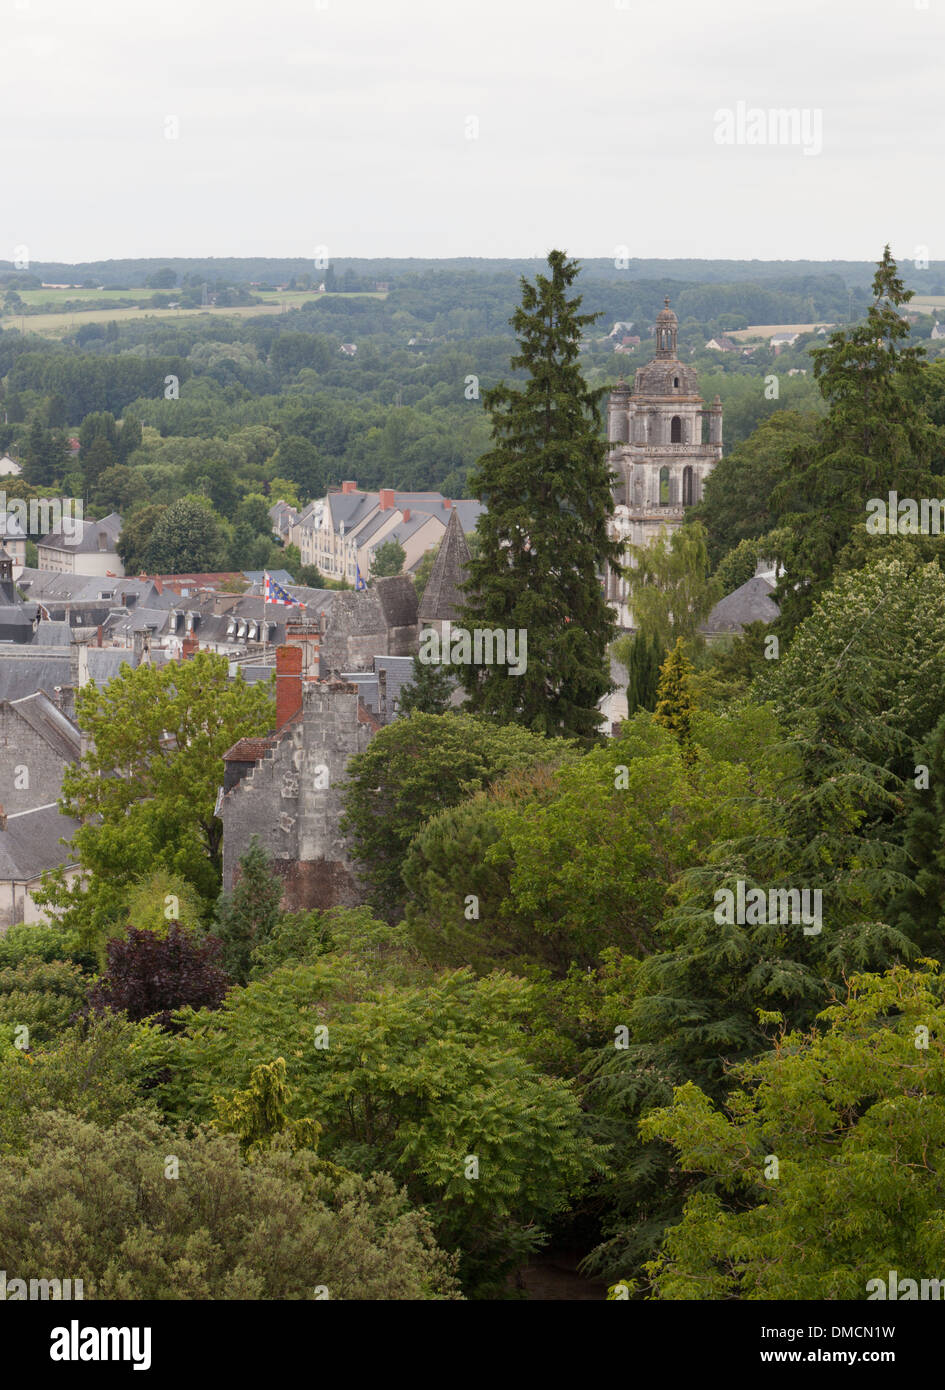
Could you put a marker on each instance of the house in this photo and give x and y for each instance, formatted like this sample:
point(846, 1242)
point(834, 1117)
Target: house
point(349, 349)
point(9, 468)
point(18, 620)
point(283, 517)
point(37, 741)
point(341, 533)
point(722, 344)
point(938, 331)
point(31, 845)
point(783, 340)
point(751, 602)
point(91, 550)
point(13, 540)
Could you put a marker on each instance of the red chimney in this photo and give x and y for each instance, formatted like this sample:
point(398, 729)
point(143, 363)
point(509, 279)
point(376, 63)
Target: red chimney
point(387, 498)
point(99, 641)
point(159, 585)
point(188, 647)
point(447, 503)
point(349, 486)
point(406, 513)
point(288, 683)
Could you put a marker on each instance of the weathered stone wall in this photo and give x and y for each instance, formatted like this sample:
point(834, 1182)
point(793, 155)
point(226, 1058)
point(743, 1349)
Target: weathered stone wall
point(292, 800)
point(21, 747)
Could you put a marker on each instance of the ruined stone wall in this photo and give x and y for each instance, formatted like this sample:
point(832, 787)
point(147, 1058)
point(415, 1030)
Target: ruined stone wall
point(292, 800)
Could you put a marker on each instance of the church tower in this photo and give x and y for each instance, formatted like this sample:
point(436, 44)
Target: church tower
point(664, 443)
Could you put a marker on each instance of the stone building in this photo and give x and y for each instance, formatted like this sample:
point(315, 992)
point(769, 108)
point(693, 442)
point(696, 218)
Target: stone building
point(37, 742)
point(664, 444)
point(443, 596)
point(287, 788)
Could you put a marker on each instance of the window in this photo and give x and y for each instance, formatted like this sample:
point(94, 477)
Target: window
point(687, 487)
point(676, 382)
point(664, 487)
point(675, 431)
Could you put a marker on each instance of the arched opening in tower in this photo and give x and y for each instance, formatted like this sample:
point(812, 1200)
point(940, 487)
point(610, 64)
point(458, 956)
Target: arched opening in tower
point(664, 487)
point(687, 486)
point(675, 430)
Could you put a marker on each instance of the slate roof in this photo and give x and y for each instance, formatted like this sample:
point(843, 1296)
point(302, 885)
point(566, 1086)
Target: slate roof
point(398, 599)
point(47, 720)
point(86, 541)
point(752, 602)
point(52, 634)
point(30, 843)
point(442, 598)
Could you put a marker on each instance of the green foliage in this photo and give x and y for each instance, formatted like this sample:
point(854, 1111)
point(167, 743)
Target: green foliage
point(543, 539)
point(643, 656)
point(874, 440)
point(261, 1113)
point(388, 559)
point(145, 791)
point(187, 538)
point(95, 1070)
point(40, 997)
point(415, 1080)
point(674, 704)
point(415, 767)
point(246, 917)
point(429, 692)
point(669, 587)
point(118, 1217)
point(853, 1115)
point(869, 662)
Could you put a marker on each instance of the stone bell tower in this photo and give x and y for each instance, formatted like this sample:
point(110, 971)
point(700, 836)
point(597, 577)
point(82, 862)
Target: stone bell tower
point(664, 443)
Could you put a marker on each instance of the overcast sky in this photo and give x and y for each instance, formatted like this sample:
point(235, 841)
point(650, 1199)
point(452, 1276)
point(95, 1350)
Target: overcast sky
point(347, 123)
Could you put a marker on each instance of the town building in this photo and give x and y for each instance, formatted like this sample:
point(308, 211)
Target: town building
point(91, 550)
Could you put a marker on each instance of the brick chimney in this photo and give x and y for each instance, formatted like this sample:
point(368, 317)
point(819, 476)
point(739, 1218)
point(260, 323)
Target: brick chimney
point(288, 683)
point(188, 646)
point(406, 513)
point(447, 503)
point(386, 498)
point(3, 819)
point(349, 486)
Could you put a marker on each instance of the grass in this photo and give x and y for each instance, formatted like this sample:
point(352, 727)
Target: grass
point(57, 323)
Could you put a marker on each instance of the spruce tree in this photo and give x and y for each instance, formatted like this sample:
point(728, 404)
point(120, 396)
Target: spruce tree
point(543, 542)
point(875, 439)
point(430, 690)
point(245, 918)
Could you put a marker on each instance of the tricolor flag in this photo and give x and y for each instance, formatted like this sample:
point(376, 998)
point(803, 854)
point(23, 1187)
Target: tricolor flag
point(274, 593)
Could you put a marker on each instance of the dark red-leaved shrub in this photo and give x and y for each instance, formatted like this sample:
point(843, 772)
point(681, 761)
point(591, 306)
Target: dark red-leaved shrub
point(150, 976)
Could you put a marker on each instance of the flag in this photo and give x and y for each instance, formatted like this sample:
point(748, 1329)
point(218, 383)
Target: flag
point(274, 593)
point(358, 582)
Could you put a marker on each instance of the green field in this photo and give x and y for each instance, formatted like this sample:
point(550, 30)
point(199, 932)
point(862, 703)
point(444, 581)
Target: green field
point(57, 322)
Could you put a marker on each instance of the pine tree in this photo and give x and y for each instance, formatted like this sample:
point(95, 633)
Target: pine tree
point(674, 703)
point(543, 539)
point(246, 917)
point(430, 690)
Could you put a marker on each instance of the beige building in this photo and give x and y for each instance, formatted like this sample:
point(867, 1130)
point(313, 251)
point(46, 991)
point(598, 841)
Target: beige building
point(29, 847)
point(90, 550)
point(341, 533)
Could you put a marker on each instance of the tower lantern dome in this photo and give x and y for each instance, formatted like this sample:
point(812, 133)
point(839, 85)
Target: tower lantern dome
point(667, 328)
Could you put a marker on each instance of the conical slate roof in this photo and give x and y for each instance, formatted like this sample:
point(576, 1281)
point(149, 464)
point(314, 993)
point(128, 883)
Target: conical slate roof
point(442, 597)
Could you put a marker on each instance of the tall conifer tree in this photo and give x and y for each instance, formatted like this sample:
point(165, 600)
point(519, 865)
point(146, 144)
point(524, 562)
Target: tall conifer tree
point(543, 540)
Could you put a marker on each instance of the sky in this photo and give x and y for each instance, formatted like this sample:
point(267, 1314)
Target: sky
point(472, 128)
